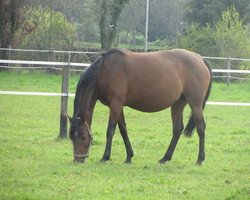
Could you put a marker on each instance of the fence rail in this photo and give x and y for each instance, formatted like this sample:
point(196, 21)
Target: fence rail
point(223, 58)
point(232, 71)
point(72, 95)
point(73, 64)
point(48, 51)
point(27, 62)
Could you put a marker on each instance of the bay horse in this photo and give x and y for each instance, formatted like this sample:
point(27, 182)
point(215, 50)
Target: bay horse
point(148, 82)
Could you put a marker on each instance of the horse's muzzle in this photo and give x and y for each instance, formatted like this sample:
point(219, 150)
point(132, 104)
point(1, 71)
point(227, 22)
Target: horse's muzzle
point(80, 158)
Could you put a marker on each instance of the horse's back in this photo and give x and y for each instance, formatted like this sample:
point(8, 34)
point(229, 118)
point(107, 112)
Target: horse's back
point(152, 81)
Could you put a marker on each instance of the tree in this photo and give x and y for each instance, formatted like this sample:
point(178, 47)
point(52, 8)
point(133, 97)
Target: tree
point(231, 35)
point(110, 11)
point(199, 39)
point(51, 30)
point(78, 12)
point(132, 21)
point(11, 19)
point(209, 11)
point(165, 18)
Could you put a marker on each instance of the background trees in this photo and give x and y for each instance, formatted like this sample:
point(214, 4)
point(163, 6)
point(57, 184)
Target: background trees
point(207, 12)
point(50, 29)
point(207, 27)
point(165, 20)
point(228, 37)
point(231, 36)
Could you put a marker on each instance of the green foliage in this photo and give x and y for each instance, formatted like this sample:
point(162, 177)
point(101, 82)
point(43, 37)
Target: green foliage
point(84, 23)
point(231, 36)
point(204, 11)
point(199, 39)
point(88, 31)
point(162, 44)
point(228, 38)
point(50, 30)
point(36, 165)
point(131, 39)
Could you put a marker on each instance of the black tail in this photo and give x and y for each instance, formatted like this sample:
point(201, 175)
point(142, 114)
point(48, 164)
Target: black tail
point(189, 129)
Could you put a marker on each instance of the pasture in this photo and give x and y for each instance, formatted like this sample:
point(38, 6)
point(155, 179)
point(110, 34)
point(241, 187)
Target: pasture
point(35, 164)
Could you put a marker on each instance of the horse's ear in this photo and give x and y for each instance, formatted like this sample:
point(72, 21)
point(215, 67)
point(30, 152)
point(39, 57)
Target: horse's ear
point(70, 118)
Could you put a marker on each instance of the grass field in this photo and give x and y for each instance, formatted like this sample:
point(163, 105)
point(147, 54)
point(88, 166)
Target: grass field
point(34, 164)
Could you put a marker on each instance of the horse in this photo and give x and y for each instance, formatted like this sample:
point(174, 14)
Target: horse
point(147, 82)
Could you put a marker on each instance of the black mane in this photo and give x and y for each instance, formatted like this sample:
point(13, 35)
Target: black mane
point(87, 79)
point(90, 74)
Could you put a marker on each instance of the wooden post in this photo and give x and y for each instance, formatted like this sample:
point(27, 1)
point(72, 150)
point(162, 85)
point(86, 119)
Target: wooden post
point(51, 58)
point(228, 73)
point(64, 100)
point(9, 55)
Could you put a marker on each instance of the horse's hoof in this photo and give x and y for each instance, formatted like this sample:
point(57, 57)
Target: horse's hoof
point(199, 162)
point(128, 162)
point(162, 161)
point(103, 160)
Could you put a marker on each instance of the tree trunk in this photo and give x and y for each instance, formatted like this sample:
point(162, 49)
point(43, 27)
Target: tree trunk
point(110, 13)
point(104, 25)
point(10, 21)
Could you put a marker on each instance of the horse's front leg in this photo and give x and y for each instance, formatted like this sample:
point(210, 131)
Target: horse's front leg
point(114, 115)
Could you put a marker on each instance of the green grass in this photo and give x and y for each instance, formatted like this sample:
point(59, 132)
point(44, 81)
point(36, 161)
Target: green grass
point(34, 164)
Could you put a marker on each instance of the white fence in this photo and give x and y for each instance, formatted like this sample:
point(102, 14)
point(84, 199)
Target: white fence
point(65, 67)
point(46, 63)
point(72, 95)
point(228, 71)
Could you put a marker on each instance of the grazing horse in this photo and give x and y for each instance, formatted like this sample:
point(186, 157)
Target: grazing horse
point(147, 82)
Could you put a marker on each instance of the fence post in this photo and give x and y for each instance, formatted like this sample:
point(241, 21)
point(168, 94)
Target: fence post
point(51, 58)
point(9, 53)
point(64, 100)
point(228, 73)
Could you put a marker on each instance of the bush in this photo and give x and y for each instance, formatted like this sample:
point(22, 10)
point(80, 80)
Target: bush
point(199, 39)
point(231, 36)
point(228, 38)
point(131, 38)
point(49, 30)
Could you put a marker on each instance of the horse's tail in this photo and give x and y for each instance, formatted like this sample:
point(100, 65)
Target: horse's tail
point(189, 129)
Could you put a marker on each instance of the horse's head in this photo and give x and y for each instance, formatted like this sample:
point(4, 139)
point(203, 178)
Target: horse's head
point(80, 135)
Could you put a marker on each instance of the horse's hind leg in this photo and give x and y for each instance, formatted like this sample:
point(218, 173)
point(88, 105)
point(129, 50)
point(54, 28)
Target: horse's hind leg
point(123, 130)
point(200, 126)
point(177, 120)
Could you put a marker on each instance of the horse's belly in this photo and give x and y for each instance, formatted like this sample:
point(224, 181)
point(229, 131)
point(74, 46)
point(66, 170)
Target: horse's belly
point(153, 103)
point(155, 93)
point(148, 107)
